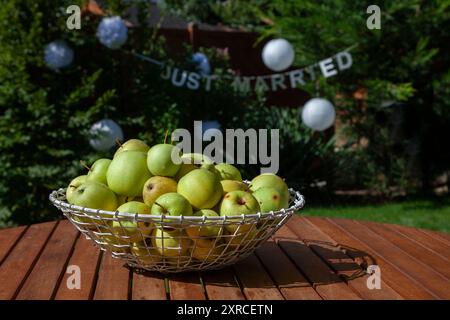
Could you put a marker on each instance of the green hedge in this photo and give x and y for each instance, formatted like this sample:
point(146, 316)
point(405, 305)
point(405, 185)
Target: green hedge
point(46, 115)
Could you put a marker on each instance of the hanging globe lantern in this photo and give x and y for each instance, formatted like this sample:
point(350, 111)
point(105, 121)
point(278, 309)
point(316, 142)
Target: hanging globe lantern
point(318, 114)
point(104, 133)
point(278, 54)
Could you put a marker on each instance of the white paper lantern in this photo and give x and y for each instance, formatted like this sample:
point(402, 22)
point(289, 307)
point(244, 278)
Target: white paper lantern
point(278, 54)
point(201, 62)
point(58, 54)
point(112, 32)
point(103, 134)
point(318, 114)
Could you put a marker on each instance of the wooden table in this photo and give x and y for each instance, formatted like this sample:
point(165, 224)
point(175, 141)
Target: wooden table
point(309, 258)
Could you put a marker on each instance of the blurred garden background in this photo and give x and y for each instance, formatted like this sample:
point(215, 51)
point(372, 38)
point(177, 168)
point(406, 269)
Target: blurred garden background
point(387, 158)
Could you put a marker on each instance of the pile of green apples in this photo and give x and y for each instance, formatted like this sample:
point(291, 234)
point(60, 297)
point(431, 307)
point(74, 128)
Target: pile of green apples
point(144, 180)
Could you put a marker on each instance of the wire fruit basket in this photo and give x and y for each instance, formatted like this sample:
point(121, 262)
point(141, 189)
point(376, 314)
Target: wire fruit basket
point(176, 243)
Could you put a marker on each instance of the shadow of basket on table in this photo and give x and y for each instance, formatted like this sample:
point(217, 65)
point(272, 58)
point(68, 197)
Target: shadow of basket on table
point(316, 261)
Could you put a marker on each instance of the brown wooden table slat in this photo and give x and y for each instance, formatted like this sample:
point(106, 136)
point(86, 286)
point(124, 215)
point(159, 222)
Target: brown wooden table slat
point(46, 273)
point(414, 249)
point(285, 233)
point(17, 265)
point(292, 284)
point(113, 279)
point(148, 286)
point(221, 285)
point(327, 248)
point(423, 239)
point(442, 237)
point(87, 257)
point(186, 286)
point(8, 239)
point(308, 258)
point(415, 268)
point(327, 284)
point(408, 287)
point(256, 282)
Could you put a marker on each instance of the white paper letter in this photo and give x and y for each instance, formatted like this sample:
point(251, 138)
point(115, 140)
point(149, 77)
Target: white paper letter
point(327, 68)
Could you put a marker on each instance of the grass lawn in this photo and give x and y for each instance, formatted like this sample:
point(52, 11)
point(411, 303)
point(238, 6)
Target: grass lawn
point(431, 214)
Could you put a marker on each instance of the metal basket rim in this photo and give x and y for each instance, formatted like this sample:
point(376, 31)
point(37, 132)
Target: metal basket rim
point(298, 203)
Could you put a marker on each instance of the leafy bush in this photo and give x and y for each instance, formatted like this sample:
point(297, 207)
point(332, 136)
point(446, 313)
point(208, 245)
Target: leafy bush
point(402, 70)
point(46, 115)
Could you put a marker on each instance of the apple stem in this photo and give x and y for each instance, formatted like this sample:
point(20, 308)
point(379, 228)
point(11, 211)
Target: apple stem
point(165, 137)
point(83, 163)
point(164, 210)
point(118, 142)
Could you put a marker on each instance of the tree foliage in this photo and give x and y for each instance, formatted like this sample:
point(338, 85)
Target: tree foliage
point(402, 71)
point(45, 115)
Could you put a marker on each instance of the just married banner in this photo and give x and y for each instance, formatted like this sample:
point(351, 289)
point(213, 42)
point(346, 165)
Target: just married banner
point(192, 80)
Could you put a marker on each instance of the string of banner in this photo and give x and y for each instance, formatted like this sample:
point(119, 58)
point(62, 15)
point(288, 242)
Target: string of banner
point(278, 55)
point(278, 81)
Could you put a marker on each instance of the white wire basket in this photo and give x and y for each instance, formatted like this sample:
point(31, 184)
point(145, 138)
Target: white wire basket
point(176, 243)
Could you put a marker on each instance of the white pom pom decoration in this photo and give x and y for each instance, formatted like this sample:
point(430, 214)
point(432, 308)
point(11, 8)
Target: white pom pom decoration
point(318, 114)
point(112, 32)
point(103, 134)
point(278, 54)
point(58, 54)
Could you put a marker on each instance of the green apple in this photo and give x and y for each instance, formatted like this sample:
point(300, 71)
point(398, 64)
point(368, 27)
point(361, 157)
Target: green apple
point(216, 208)
point(170, 243)
point(171, 204)
point(233, 185)
point(73, 185)
point(157, 186)
point(98, 170)
point(191, 161)
point(114, 244)
point(124, 199)
point(206, 254)
point(127, 228)
point(201, 188)
point(95, 195)
point(132, 145)
point(212, 168)
point(242, 239)
point(236, 203)
point(145, 254)
point(128, 173)
point(228, 172)
point(160, 160)
point(269, 199)
point(274, 181)
point(206, 234)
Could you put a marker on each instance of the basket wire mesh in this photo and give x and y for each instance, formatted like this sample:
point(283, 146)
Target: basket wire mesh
point(176, 243)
